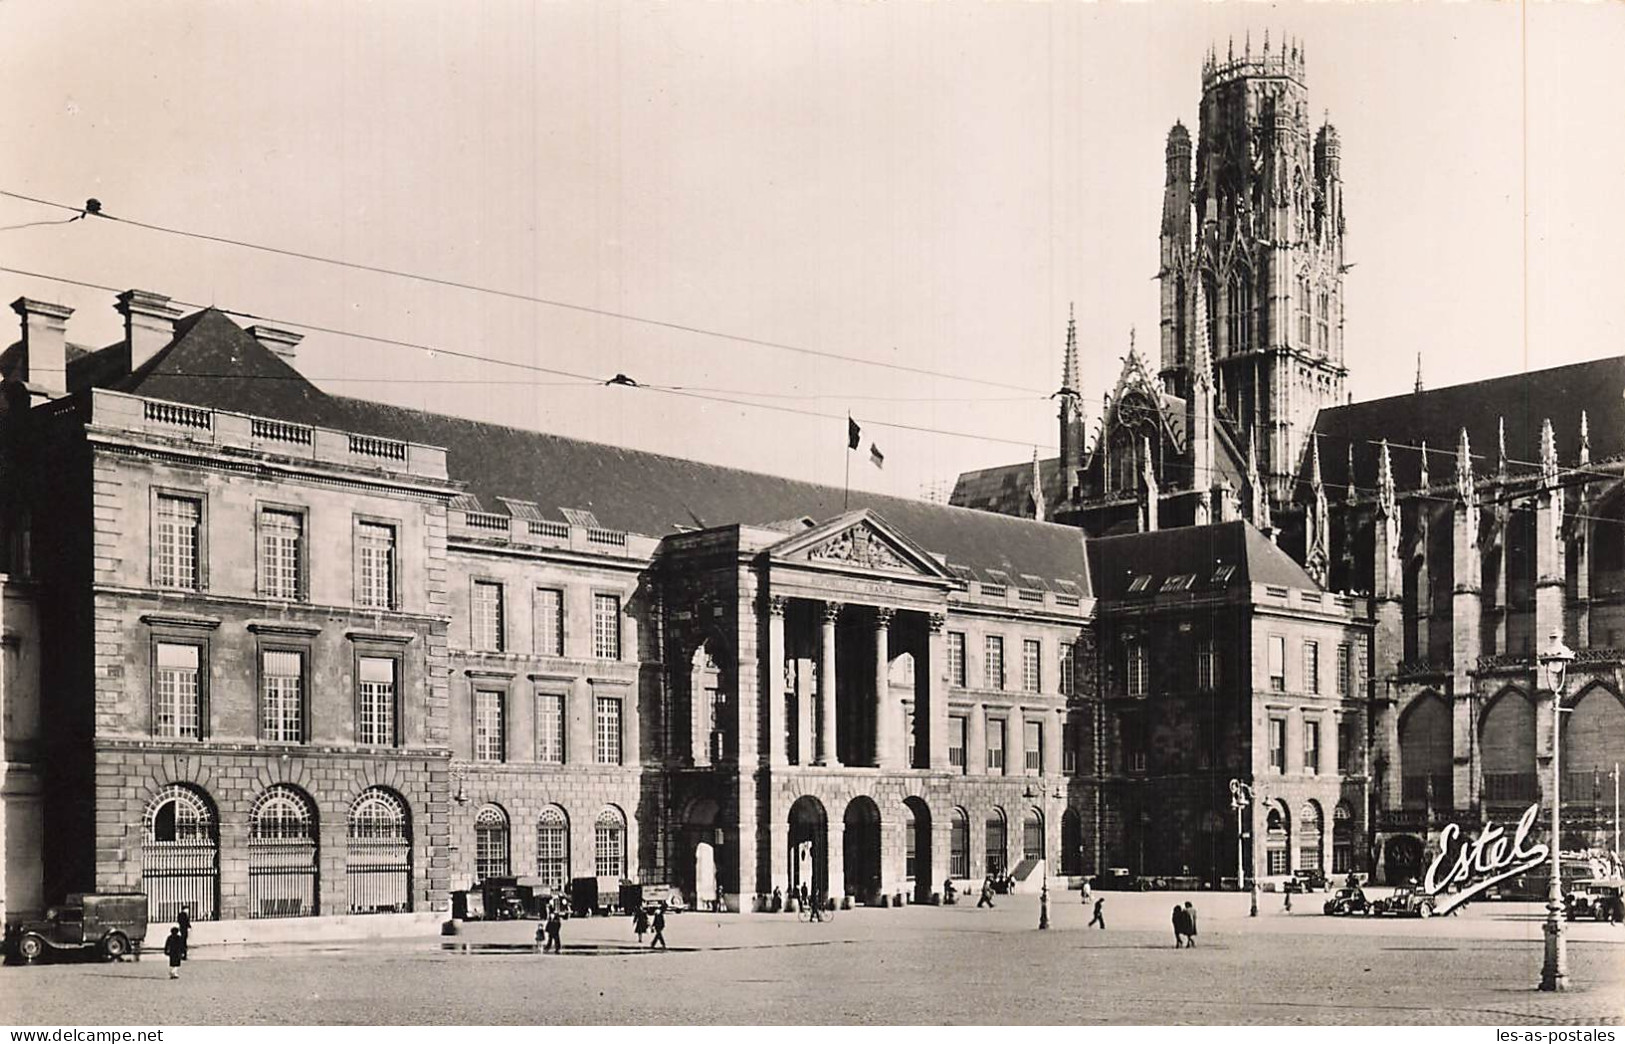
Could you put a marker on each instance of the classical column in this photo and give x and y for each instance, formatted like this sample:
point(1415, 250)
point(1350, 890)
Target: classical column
point(699, 716)
point(935, 690)
point(805, 688)
point(776, 681)
point(826, 687)
point(887, 752)
point(976, 755)
point(835, 862)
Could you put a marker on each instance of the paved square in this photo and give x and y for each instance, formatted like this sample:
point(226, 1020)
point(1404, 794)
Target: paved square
point(918, 965)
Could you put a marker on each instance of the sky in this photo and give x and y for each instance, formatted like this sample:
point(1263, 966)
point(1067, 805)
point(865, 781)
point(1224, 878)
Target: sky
point(926, 186)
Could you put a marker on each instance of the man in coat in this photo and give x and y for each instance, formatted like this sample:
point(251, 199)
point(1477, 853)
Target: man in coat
point(1190, 924)
point(175, 950)
point(184, 921)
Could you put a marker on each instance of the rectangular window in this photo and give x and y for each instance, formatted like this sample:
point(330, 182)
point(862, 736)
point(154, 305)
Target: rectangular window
point(1137, 670)
point(490, 726)
point(1031, 679)
point(1345, 670)
point(550, 728)
point(282, 535)
point(1277, 663)
point(1134, 743)
point(178, 696)
point(956, 742)
point(1032, 746)
point(487, 617)
point(993, 666)
point(995, 745)
point(1204, 743)
point(608, 731)
point(606, 626)
point(179, 524)
point(1207, 665)
point(548, 607)
point(1311, 748)
point(1346, 739)
point(1278, 745)
point(375, 701)
point(956, 658)
point(1277, 861)
point(1069, 749)
point(1067, 680)
point(375, 565)
point(910, 748)
point(1311, 667)
point(282, 703)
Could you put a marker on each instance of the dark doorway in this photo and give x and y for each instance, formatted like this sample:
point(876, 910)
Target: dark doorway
point(809, 846)
point(861, 850)
point(917, 848)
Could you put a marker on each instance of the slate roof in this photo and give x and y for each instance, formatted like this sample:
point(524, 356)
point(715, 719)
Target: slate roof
point(1438, 414)
point(212, 362)
point(1202, 551)
point(1007, 488)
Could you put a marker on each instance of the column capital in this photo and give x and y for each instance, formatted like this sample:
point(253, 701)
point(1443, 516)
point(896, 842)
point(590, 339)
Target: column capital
point(777, 604)
point(832, 611)
point(884, 616)
point(938, 621)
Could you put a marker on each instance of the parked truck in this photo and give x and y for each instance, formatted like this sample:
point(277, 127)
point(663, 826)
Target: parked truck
point(111, 923)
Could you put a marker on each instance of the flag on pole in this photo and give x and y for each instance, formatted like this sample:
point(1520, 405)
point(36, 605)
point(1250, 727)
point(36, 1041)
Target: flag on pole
point(877, 458)
point(854, 434)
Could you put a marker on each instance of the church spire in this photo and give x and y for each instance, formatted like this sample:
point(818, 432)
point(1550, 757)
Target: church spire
point(1316, 558)
point(1071, 413)
point(1418, 373)
point(1038, 489)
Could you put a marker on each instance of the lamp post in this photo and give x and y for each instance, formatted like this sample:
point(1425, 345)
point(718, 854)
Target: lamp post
point(1554, 972)
point(1241, 795)
point(1043, 887)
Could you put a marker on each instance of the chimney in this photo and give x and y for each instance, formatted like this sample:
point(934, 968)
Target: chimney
point(149, 324)
point(45, 347)
point(285, 343)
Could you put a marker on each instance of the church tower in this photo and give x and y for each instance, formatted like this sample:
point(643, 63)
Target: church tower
point(1260, 224)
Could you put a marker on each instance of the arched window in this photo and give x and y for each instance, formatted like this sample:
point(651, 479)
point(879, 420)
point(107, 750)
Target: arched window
point(1305, 317)
point(378, 853)
point(609, 844)
point(1593, 743)
point(1507, 750)
point(1342, 838)
point(1323, 323)
point(282, 854)
point(1240, 314)
point(1425, 760)
point(995, 838)
point(553, 848)
point(1310, 828)
point(1277, 832)
point(909, 844)
point(491, 843)
point(959, 845)
point(180, 855)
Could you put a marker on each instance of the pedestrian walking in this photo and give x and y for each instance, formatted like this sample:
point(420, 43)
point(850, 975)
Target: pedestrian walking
point(555, 931)
point(987, 893)
point(184, 921)
point(1100, 914)
point(1088, 893)
point(1287, 906)
point(640, 923)
point(1179, 926)
point(1190, 924)
point(175, 950)
point(541, 936)
point(659, 925)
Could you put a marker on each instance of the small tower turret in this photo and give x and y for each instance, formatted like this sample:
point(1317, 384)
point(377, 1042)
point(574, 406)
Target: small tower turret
point(1071, 411)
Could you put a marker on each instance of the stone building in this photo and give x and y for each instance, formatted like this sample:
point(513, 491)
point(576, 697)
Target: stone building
point(1472, 523)
point(310, 655)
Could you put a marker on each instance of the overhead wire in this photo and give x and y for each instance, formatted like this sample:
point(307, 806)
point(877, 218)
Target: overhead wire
point(434, 350)
point(514, 295)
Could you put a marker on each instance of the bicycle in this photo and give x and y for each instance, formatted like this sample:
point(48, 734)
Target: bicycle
point(826, 911)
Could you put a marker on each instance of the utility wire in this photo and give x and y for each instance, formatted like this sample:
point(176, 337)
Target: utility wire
point(432, 350)
point(516, 296)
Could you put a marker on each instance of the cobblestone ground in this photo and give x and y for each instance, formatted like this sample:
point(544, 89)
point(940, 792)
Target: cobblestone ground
point(919, 965)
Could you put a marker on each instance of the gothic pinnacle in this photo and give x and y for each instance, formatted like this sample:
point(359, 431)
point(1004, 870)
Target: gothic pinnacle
point(1349, 496)
point(1464, 469)
point(1422, 480)
point(1387, 498)
point(1585, 438)
point(1548, 455)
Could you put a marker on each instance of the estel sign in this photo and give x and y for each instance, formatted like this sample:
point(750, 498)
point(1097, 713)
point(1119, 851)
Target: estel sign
point(1487, 859)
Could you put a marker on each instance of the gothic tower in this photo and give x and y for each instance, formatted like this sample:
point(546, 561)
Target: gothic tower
point(1260, 224)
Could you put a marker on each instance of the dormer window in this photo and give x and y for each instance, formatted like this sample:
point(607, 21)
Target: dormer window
point(1140, 584)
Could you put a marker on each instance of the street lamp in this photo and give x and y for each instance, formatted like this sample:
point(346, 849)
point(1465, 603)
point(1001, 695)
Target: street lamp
point(1043, 888)
point(1554, 973)
point(1241, 795)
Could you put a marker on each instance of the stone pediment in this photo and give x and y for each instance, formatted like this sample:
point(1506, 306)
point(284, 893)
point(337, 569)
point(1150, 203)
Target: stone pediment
point(861, 541)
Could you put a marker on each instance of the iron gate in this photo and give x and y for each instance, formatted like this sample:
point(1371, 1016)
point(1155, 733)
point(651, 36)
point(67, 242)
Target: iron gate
point(180, 873)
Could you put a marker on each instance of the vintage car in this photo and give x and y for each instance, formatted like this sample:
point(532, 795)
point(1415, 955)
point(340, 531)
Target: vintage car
point(1306, 881)
point(113, 924)
point(1407, 901)
point(1347, 901)
point(1601, 899)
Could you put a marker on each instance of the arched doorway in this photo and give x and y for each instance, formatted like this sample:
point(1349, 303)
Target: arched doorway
point(1032, 836)
point(1311, 832)
point(378, 853)
point(282, 854)
point(491, 853)
point(698, 851)
point(917, 868)
point(180, 855)
point(994, 836)
point(1402, 859)
point(959, 845)
point(1071, 843)
point(1277, 840)
point(809, 846)
point(861, 849)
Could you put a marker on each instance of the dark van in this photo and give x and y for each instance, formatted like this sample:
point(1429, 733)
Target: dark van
point(112, 923)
